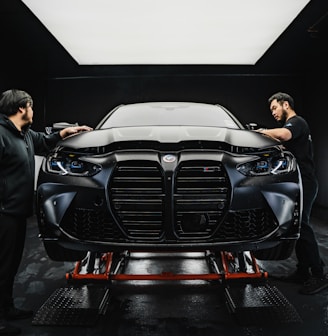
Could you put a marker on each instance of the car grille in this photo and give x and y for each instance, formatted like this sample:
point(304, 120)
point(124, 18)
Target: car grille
point(201, 197)
point(141, 200)
point(192, 207)
point(137, 199)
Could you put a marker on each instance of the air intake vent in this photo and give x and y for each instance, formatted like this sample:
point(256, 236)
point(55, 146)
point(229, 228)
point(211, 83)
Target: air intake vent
point(247, 225)
point(90, 224)
point(137, 199)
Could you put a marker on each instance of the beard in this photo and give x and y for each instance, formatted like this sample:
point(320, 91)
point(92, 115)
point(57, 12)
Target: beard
point(27, 119)
point(284, 116)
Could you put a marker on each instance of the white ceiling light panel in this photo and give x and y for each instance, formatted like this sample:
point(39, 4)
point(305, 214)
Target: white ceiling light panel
point(108, 32)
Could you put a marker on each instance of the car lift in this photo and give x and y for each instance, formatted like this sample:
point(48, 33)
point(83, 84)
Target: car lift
point(248, 294)
point(100, 267)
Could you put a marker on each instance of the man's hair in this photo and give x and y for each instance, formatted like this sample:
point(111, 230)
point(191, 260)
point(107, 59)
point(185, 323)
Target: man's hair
point(281, 97)
point(12, 100)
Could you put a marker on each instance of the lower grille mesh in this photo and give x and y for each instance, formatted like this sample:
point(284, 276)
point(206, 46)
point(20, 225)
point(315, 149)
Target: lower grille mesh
point(238, 226)
point(90, 224)
point(246, 225)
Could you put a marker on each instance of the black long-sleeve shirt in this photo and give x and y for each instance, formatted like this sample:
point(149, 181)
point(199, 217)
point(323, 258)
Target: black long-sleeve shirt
point(17, 165)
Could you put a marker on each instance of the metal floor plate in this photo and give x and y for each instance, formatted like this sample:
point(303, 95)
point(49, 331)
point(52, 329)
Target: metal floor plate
point(258, 304)
point(73, 306)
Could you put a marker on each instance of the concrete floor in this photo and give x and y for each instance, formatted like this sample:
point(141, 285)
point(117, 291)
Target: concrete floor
point(188, 308)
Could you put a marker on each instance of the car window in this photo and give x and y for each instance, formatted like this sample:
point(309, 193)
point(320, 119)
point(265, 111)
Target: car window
point(169, 114)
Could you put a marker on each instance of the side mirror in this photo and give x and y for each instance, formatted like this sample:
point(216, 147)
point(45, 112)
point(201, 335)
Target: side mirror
point(59, 126)
point(252, 126)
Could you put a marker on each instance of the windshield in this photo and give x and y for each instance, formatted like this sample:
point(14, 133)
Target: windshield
point(169, 114)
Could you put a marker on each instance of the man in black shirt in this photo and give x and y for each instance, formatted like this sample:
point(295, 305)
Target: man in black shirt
point(296, 137)
point(18, 145)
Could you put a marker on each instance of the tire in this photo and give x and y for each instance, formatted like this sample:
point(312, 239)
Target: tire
point(280, 252)
point(58, 253)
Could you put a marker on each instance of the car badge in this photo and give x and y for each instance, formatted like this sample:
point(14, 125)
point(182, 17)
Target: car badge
point(169, 158)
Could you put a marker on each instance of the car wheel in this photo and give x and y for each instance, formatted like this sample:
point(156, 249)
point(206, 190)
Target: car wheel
point(283, 251)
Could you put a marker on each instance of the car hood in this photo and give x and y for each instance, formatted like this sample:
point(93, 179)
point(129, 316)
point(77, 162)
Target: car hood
point(168, 134)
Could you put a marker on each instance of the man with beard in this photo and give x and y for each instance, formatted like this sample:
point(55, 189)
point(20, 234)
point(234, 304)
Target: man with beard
point(18, 145)
point(295, 135)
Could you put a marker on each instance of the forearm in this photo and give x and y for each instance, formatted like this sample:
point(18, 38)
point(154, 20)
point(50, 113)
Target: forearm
point(281, 134)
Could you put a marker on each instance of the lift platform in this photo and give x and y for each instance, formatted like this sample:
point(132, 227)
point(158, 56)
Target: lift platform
point(249, 296)
point(108, 267)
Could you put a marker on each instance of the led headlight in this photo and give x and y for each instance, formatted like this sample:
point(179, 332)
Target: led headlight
point(70, 164)
point(269, 165)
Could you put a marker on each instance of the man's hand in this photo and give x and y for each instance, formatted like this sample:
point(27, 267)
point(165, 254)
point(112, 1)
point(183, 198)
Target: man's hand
point(73, 130)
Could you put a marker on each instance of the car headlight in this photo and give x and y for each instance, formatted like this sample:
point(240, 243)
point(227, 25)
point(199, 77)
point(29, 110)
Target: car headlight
point(269, 165)
point(70, 164)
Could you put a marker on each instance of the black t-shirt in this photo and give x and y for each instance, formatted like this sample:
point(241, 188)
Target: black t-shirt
point(301, 145)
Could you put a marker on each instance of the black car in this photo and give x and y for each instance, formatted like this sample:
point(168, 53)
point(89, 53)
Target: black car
point(169, 176)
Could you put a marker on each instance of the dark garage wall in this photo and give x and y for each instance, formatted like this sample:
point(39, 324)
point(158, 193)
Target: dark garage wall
point(88, 99)
point(315, 93)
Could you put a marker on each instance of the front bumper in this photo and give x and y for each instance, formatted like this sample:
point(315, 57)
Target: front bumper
point(147, 205)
